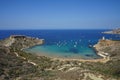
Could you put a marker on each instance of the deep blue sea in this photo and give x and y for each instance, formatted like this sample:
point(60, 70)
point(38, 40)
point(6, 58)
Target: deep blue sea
point(63, 43)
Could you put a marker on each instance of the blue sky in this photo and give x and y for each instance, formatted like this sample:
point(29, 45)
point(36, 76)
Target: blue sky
point(59, 14)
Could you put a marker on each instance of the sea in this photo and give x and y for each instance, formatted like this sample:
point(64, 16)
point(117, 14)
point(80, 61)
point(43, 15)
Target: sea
point(73, 44)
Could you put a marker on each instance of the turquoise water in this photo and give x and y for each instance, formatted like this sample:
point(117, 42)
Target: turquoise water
point(64, 51)
point(63, 43)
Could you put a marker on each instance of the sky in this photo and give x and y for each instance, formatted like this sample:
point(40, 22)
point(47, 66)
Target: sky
point(59, 14)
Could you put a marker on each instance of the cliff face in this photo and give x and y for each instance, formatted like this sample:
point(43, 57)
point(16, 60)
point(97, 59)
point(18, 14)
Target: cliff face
point(20, 41)
point(109, 46)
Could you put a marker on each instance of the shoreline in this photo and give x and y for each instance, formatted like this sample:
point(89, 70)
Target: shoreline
point(103, 58)
point(41, 41)
point(53, 57)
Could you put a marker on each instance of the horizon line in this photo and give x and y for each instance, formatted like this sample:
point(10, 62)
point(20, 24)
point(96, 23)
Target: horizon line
point(64, 29)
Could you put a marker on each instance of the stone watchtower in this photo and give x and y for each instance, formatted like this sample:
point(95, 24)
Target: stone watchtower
point(103, 38)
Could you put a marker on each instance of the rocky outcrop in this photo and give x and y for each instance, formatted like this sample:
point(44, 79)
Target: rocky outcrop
point(107, 48)
point(21, 41)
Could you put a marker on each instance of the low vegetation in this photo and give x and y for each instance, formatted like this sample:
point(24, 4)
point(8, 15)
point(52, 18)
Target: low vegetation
point(16, 64)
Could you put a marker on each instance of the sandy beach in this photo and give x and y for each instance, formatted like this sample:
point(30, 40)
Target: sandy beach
point(103, 60)
point(60, 58)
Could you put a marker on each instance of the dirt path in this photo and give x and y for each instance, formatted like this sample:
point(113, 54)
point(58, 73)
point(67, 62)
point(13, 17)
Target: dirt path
point(25, 58)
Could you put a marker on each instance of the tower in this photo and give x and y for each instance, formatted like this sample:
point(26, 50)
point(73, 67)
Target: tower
point(103, 38)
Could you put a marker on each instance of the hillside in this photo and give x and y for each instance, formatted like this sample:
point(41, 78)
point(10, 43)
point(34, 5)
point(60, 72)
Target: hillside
point(16, 64)
point(110, 49)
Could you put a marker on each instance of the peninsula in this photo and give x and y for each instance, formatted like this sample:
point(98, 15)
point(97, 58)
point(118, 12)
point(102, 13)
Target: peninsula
point(114, 31)
point(21, 41)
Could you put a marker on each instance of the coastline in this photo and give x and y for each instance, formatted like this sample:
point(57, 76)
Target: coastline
point(103, 60)
point(37, 41)
point(54, 58)
point(47, 63)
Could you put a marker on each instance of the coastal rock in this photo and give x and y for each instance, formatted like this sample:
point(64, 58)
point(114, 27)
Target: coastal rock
point(107, 48)
point(21, 41)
